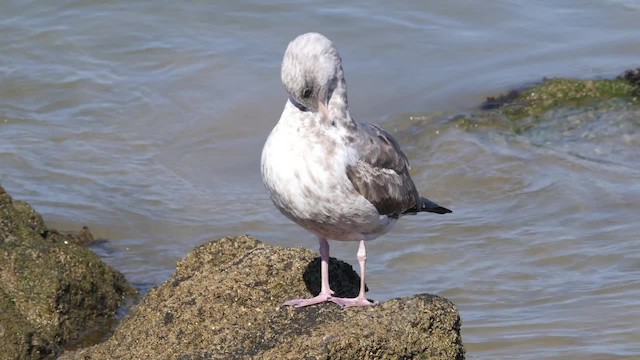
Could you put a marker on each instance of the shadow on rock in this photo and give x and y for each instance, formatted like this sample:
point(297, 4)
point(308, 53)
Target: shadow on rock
point(343, 279)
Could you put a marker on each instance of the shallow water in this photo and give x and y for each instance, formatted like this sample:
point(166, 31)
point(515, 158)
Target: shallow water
point(146, 121)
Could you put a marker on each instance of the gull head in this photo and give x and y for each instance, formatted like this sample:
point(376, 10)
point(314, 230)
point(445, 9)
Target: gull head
point(310, 71)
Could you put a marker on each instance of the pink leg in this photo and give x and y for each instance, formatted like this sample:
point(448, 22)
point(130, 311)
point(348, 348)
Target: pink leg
point(360, 300)
point(325, 290)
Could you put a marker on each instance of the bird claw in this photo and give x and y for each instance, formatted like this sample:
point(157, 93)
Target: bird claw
point(352, 302)
point(321, 298)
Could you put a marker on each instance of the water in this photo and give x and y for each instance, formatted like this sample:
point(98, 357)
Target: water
point(145, 121)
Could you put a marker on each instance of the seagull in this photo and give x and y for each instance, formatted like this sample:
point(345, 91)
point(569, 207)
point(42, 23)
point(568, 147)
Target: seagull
point(335, 177)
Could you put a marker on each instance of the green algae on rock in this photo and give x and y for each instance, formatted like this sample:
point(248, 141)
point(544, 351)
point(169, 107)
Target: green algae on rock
point(522, 109)
point(554, 93)
point(52, 291)
point(632, 76)
point(225, 302)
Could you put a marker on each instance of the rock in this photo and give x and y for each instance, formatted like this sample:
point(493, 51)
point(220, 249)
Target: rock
point(524, 108)
point(225, 302)
point(82, 237)
point(633, 77)
point(52, 292)
point(550, 94)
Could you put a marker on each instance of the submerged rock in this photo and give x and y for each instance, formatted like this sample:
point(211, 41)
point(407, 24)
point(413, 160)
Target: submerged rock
point(633, 77)
point(52, 292)
point(552, 94)
point(522, 109)
point(225, 302)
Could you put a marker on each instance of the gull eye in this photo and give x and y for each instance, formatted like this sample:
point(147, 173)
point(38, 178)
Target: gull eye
point(306, 93)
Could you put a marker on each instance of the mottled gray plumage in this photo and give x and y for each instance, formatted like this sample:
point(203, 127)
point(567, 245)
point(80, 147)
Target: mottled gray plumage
point(381, 173)
point(333, 176)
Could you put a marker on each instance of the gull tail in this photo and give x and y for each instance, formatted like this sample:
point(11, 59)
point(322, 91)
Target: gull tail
point(428, 206)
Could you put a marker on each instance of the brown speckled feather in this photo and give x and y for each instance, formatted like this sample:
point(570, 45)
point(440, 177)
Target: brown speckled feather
point(381, 173)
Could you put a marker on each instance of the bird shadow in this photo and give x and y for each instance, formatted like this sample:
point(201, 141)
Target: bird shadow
point(344, 281)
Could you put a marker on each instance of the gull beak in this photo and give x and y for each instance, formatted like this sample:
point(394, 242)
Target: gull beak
point(324, 110)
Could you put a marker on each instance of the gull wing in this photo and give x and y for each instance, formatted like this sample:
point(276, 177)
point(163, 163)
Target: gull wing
point(381, 172)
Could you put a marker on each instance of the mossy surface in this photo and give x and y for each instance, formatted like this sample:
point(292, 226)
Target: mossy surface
point(54, 291)
point(525, 107)
point(555, 93)
point(225, 302)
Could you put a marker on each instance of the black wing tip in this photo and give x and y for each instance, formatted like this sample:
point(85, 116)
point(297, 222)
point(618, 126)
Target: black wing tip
point(439, 210)
point(430, 206)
